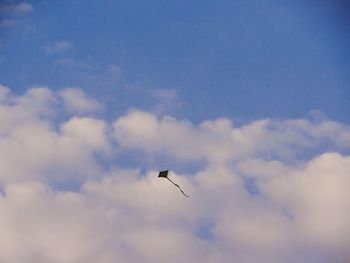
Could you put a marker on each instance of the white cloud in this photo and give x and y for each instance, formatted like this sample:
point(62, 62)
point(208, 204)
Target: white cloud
point(6, 23)
point(58, 47)
point(16, 9)
point(299, 212)
point(70, 62)
point(31, 145)
point(115, 70)
point(317, 194)
point(4, 91)
point(22, 8)
point(219, 140)
point(11, 14)
point(76, 101)
point(165, 99)
point(159, 101)
point(90, 132)
point(40, 225)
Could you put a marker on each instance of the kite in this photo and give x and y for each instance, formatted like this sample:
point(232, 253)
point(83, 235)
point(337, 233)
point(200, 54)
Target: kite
point(164, 174)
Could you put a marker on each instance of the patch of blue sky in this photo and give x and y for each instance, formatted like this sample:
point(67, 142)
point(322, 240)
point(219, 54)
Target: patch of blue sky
point(205, 229)
point(241, 59)
point(251, 186)
point(288, 214)
point(128, 159)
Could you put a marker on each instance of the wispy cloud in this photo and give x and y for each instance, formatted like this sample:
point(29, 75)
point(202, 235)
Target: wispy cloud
point(157, 100)
point(10, 14)
point(299, 167)
point(21, 8)
point(115, 70)
point(7, 23)
point(13, 9)
point(58, 47)
point(165, 100)
point(71, 62)
point(76, 101)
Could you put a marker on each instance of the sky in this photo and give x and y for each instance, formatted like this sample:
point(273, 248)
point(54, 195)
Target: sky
point(245, 102)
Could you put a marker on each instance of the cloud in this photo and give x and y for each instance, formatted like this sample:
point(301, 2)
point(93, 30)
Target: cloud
point(11, 14)
point(166, 99)
point(58, 47)
point(303, 192)
point(159, 101)
point(299, 169)
point(76, 101)
point(70, 62)
point(115, 70)
point(28, 137)
point(7, 23)
point(4, 91)
point(12, 9)
point(220, 141)
point(22, 8)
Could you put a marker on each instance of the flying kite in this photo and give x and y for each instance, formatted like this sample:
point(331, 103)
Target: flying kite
point(164, 174)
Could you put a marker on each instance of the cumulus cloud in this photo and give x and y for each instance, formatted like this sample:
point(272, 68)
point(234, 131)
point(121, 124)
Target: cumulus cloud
point(4, 91)
point(266, 191)
point(32, 145)
point(220, 141)
point(76, 101)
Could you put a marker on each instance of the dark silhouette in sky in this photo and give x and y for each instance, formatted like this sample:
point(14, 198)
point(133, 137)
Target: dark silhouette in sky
point(164, 174)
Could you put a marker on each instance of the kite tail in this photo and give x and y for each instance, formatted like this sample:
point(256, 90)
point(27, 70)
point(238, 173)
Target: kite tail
point(184, 193)
point(178, 187)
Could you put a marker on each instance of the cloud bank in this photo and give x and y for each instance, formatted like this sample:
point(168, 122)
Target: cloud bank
point(71, 190)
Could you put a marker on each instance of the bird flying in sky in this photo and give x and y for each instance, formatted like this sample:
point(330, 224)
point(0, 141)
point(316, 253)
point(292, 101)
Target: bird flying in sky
point(164, 174)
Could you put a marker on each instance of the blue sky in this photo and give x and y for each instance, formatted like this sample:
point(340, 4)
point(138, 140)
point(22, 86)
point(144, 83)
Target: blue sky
point(245, 102)
point(243, 59)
